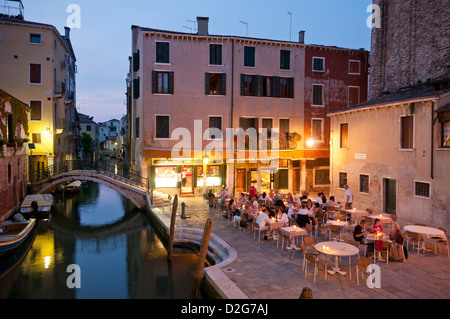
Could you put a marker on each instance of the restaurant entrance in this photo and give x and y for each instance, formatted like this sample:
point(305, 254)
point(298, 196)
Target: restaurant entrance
point(187, 182)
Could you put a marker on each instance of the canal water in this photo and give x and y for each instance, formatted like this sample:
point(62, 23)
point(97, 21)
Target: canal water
point(116, 250)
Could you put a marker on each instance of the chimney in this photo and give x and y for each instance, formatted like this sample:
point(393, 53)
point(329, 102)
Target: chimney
point(67, 30)
point(202, 25)
point(301, 37)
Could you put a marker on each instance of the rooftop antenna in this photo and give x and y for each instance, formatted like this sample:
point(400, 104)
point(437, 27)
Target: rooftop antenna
point(195, 25)
point(290, 27)
point(246, 27)
point(187, 28)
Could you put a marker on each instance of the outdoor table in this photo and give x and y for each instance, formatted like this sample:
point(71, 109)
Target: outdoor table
point(337, 223)
point(383, 219)
point(337, 249)
point(274, 224)
point(357, 212)
point(425, 232)
point(292, 232)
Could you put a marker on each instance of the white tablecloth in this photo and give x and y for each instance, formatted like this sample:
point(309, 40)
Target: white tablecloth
point(292, 232)
point(337, 223)
point(426, 231)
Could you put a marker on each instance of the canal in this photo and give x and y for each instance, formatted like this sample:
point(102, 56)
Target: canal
point(118, 253)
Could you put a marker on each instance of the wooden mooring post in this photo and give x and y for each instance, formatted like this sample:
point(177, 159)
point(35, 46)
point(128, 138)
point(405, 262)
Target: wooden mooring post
point(201, 259)
point(172, 227)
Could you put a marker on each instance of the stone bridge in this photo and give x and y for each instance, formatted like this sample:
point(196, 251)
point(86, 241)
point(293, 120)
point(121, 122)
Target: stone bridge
point(113, 175)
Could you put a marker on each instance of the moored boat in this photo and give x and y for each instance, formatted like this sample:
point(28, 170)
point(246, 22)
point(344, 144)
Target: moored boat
point(13, 234)
point(73, 187)
point(36, 205)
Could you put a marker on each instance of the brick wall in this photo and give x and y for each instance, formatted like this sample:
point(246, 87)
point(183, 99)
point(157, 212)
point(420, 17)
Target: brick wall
point(412, 45)
point(13, 185)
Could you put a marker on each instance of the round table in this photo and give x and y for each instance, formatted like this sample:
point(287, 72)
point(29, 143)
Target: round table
point(425, 230)
point(337, 249)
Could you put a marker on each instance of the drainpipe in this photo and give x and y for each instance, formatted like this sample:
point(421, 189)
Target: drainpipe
point(232, 110)
point(433, 121)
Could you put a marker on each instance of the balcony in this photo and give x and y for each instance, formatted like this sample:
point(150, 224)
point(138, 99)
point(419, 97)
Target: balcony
point(70, 97)
point(60, 89)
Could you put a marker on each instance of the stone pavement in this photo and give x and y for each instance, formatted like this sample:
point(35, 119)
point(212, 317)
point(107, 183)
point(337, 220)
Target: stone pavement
point(263, 271)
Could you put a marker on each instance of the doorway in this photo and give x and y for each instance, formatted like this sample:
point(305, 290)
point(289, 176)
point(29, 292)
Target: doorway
point(390, 196)
point(187, 182)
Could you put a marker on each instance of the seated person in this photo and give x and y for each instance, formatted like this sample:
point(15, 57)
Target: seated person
point(210, 198)
point(318, 213)
point(395, 251)
point(377, 228)
point(223, 202)
point(281, 216)
point(331, 203)
point(270, 212)
point(263, 221)
point(302, 216)
point(293, 211)
point(359, 235)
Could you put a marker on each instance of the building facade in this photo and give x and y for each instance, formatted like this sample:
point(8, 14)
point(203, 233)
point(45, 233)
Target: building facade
point(183, 82)
point(393, 151)
point(13, 153)
point(38, 67)
point(89, 126)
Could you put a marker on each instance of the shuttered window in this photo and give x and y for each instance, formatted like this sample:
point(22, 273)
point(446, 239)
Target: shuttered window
point(249, 56)
point(342, 179)
point(215, 83)
point(284, 126)
point(268, 124)
point(215, 54)
point(35, 73)
point(162, 126)
point(162, 52)
point(136, 88)
point(162, 82)
point(136, 61)
point(344, 135)
point(318, 64)
point(249, 85)
point(36, 110)
point(287, 87)
point(317, 95)
point(316, 130)
point(285, 60)
point(10, 128)
point(215, 122)
point(407, 132)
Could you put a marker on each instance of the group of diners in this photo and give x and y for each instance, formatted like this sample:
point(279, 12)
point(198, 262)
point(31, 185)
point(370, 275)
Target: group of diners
point(287, 208)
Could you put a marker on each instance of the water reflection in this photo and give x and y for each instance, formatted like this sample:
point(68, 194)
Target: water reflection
point(117, 250)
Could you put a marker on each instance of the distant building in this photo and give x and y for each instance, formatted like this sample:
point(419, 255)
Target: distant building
point(13, 153)
point(109, 136)
point(90, 127)
point(38, 66)
point(394, 150)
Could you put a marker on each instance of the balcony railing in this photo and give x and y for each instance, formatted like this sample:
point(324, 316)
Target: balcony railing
point(60, 87)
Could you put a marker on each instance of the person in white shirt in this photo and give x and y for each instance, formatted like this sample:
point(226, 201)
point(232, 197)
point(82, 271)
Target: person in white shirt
point(223, 193)
point(348, 197)
point(263, 221)
point(282, 217)
point(293, 210)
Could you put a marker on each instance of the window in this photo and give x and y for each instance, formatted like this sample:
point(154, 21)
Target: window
point(267, 124)
point(321, 177)
point(9, 173)
point(162, 52)
point(35, 73)
point(36, 138)
point(248, 85)
point(353, 95)
point(284, 126)
point(136, 88)
point(283, 179)
point(422, 189)
point(287, 87)
point(137, 129)
point(249, 56)
point(354, 67)
point(215, 122)
point(88, 128)
point(215, 54)
point(162, 126)
point(35, 38)
point(136, 61)
point(246, 123)
point(215, 83)
point(342, 179)
point(319, 64)
point(36, 110)
point(162, 82)
point(343, 135)
point(267, 86)
point(285, 60)
point(364, 183)
point(445, 134)
point(317, 95)
point(407, 132)
point(316, 129)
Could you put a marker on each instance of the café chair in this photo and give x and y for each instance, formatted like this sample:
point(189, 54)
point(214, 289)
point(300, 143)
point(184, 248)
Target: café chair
point(314, 260)
point(361, 265)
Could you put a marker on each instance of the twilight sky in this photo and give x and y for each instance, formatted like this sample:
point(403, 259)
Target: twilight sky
point(103, 42)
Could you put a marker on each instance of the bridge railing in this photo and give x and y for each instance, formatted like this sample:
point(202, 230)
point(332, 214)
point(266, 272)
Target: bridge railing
point(111, 169)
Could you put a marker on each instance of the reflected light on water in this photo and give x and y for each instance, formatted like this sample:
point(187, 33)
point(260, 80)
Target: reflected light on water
point(47, 261)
